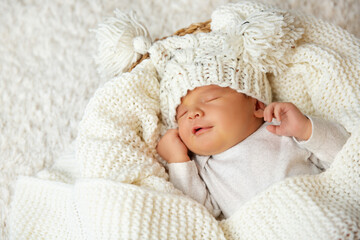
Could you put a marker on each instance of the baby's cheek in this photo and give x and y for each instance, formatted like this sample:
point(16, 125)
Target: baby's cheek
point(232, 132)
point(222, 137)
point(183, 132)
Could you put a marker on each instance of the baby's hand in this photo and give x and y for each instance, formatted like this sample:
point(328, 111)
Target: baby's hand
point(171, 148)
point(293, 122)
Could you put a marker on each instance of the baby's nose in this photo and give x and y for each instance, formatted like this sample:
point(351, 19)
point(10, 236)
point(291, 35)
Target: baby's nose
point(196, 114)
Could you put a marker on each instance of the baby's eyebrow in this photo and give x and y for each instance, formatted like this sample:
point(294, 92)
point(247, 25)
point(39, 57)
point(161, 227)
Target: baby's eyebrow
point(211, 93)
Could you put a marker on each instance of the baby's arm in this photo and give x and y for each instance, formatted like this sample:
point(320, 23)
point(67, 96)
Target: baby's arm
point(323, 138)
point(183, 172)
point(185, 177)
point(326, 141)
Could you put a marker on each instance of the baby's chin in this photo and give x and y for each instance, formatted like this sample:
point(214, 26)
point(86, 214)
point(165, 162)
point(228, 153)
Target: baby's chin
point(209, 151)
point(211, 148)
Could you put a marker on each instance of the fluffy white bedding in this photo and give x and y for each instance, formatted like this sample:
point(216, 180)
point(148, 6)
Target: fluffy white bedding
point(47, 71)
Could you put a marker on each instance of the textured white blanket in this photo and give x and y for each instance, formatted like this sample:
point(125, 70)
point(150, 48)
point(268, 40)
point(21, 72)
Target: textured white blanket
point(47, 77)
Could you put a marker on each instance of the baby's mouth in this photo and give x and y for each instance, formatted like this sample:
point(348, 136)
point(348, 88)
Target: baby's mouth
point(200, 130)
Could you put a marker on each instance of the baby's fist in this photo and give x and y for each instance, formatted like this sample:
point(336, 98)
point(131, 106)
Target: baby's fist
point(293, 122)
point(171, 148)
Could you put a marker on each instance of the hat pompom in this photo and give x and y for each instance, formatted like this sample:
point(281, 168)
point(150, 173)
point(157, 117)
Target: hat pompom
point(122, 41)
point(264, 37)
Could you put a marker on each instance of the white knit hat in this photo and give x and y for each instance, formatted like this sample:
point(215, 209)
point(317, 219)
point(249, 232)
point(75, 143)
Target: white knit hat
point(238, 57)
point(244, 45)
point(195, 60)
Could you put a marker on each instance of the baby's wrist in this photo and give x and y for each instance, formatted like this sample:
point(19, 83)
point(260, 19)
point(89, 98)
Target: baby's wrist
point(307, 131)
point(179, 159)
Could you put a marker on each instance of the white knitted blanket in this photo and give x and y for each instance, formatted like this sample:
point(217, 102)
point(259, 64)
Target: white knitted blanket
point(122, 192)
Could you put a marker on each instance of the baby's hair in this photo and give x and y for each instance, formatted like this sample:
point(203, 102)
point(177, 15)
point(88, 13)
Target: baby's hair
point(194, 28)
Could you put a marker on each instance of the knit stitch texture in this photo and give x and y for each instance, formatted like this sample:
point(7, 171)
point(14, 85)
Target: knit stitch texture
point(122, 191)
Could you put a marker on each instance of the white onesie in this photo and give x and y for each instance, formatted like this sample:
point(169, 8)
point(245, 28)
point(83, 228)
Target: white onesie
point(225, 181)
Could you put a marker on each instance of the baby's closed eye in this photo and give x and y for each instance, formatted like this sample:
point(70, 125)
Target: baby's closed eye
point(211, 98)
point(180, 114)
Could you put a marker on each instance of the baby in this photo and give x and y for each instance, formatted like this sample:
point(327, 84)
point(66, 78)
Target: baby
point(216, 104)
point(236, 154)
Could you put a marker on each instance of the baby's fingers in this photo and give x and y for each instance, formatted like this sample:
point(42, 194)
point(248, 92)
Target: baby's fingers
point(278, 109)
point(276, 129)
point(268, 112)
point(273, 110)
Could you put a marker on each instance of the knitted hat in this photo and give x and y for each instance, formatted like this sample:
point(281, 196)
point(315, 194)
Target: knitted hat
point(243, 45)
point(195, 60)
point(238, 57)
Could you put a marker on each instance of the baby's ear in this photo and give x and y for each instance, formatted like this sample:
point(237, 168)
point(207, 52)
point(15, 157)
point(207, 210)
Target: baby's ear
point(259, 109)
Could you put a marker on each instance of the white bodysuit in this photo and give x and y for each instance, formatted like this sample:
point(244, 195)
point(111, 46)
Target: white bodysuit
point(225, 181)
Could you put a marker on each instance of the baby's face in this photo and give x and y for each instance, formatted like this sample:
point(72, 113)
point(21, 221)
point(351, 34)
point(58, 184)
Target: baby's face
point(212, 119)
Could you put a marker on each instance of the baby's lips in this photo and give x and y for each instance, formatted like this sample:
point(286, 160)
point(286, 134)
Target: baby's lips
point(199, 128)
point(195, 129)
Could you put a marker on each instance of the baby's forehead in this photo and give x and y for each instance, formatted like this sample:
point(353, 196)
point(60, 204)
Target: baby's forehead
point(200, 92)
point(205, 90)
point(208, 90)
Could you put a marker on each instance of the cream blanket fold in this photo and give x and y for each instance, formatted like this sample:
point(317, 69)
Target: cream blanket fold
point(123, 193)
